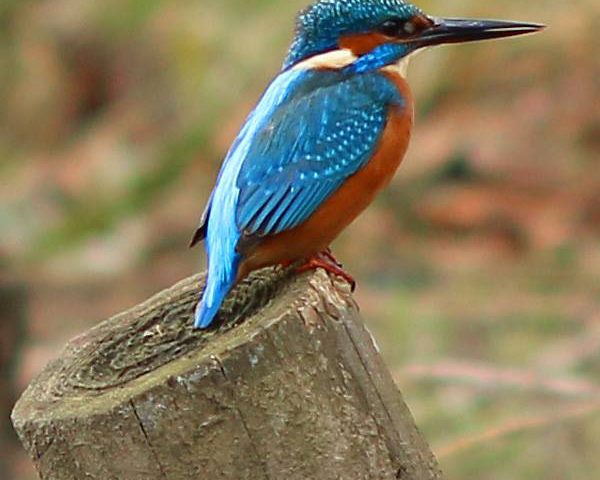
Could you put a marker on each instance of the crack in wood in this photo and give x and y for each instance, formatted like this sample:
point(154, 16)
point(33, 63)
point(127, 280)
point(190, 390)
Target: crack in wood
point(147, 438)
point(221, 367)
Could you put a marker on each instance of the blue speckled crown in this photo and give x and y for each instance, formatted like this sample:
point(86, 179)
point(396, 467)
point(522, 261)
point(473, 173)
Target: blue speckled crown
point(319, 26)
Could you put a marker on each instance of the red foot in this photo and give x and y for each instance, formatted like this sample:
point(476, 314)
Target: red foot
point(327, 253)
point(327, 261)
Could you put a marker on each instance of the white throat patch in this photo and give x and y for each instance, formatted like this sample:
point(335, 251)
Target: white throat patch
point(400, 67)
point(335, 59)
point(341, 58)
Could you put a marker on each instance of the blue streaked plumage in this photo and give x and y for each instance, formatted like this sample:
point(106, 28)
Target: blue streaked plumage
point(222, 233)
point(379, 57)
point(309, 147)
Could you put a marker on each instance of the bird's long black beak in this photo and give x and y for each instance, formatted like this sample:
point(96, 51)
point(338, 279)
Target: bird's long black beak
point(459, 30)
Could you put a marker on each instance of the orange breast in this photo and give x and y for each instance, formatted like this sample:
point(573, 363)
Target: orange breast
point(339, 210)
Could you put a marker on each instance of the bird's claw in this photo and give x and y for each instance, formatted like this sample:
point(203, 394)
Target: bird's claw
point(327, 261)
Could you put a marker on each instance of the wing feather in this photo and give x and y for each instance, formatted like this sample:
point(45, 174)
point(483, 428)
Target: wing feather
point(309, 147)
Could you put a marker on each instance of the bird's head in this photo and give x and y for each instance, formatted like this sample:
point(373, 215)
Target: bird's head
point(366, 27)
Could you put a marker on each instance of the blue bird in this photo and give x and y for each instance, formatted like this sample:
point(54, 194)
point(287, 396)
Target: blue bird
point(327, 135)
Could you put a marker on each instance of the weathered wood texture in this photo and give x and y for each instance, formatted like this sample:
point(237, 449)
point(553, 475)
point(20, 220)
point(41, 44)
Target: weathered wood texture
point(290, 386)
point(12, 332)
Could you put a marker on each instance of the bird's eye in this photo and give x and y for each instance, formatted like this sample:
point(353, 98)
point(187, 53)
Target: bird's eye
point(392, 27)
point(397, 27)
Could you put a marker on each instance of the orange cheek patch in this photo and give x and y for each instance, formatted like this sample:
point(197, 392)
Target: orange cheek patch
point(363, 43)
point(421, 22)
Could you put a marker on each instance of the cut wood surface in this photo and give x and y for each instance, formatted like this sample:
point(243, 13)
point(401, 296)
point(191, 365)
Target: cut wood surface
point(289, 385)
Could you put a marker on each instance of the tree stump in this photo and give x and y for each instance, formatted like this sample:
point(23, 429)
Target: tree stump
point(289, 385)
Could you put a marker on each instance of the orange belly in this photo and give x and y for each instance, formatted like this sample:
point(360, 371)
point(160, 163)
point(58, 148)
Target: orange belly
point(339, 210)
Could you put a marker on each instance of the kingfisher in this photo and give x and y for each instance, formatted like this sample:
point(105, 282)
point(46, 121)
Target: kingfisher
point(327, 135)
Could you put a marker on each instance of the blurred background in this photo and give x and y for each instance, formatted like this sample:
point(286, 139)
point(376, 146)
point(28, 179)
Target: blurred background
point(478, 269)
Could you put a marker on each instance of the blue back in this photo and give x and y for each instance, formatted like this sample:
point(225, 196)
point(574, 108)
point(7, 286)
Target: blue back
point(322, 134)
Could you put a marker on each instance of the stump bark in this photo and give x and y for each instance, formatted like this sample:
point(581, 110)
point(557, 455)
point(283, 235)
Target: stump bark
point(290, 385)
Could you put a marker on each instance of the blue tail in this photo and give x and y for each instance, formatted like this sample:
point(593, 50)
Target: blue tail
point(218, 284)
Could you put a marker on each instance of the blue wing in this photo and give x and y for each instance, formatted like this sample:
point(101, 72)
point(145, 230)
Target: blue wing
point(311, 144)
point(218, 226)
